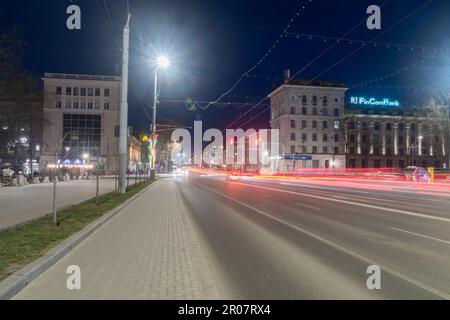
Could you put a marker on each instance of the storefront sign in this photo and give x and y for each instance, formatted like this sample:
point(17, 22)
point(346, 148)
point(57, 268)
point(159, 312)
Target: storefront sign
point(361, 101)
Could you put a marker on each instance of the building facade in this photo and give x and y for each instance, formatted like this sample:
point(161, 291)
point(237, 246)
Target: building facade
point(319, 130)
point(395, 141)
point(82, 115)
point(308, 116)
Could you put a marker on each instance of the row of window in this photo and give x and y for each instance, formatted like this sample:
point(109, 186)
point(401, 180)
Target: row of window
point(314, 124)
point(401, 139)
point(377, 126)
point(314, 150)
point(315, 111)
point(314, 137)
point(83, 92)
point(388, 151)
point(314, 100)
point(82, 105)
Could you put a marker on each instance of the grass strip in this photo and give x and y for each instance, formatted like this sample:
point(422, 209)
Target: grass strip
point(25, 243)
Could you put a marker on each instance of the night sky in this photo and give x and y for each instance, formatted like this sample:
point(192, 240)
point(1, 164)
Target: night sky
point(212, 43)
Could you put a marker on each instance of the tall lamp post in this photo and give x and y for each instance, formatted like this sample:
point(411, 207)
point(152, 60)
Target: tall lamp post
point(124, 110)
point(161, 62)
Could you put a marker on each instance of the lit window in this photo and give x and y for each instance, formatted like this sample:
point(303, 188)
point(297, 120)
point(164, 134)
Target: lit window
point(336, 125)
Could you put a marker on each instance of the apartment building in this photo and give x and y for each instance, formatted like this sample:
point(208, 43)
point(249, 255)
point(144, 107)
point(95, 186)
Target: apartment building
point(82, 116)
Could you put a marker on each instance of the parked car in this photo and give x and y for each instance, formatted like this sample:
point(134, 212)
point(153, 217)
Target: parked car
point(416, 174)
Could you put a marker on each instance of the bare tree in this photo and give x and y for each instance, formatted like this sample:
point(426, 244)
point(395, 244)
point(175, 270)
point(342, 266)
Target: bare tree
point(20, 102)
point(438, 123)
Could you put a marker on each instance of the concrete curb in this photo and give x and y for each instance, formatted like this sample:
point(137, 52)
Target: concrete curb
point(20, 279)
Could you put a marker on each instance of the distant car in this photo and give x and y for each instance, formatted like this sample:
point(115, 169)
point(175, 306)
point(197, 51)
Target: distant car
point(416, 174)
point(233, 177)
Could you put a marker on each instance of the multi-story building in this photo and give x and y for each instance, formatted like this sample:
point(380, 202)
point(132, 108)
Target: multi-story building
point(82, 116)
point(319, 130)
point(308, 115)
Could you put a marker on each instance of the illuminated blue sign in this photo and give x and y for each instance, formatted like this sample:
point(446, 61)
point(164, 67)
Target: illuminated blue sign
point(295, 157)
point(361, 101)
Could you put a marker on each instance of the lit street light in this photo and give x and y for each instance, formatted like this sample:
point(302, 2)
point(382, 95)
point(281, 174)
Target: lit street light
point(161, 62)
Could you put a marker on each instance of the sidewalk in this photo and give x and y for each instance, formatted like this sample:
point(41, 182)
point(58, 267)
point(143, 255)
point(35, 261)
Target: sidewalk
point(148, 251)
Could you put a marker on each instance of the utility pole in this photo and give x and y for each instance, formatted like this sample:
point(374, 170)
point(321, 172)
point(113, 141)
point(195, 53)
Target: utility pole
point(155, 103)
point(124, 110)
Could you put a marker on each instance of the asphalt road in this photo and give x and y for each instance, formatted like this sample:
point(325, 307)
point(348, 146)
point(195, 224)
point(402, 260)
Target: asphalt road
point(272, 239)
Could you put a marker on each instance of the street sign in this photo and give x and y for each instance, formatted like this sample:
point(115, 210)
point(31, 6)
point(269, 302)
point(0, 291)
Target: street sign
point(296, 157)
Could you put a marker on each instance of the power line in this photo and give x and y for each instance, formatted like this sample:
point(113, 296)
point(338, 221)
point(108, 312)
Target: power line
point(352, 53)
point(374, 38)
point(264, 57)
point(307, 65)
point(391, 74)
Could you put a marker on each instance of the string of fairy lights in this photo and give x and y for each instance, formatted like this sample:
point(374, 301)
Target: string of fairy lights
point(394, 73)
point(262, 59)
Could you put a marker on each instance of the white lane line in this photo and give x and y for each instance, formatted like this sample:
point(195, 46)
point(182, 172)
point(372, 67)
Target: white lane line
point(306, 206)
point(362, 199)
point(408, 213)
point(366, 260)
point(421, 235)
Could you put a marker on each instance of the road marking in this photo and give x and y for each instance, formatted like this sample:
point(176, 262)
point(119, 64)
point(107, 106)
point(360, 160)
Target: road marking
point(393, 272)
point(421, 235)
point(306, 206)
point(362, 199)
point(408, 213)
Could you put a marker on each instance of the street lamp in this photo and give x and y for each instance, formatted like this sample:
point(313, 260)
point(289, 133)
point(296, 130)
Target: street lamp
point(161, 62)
